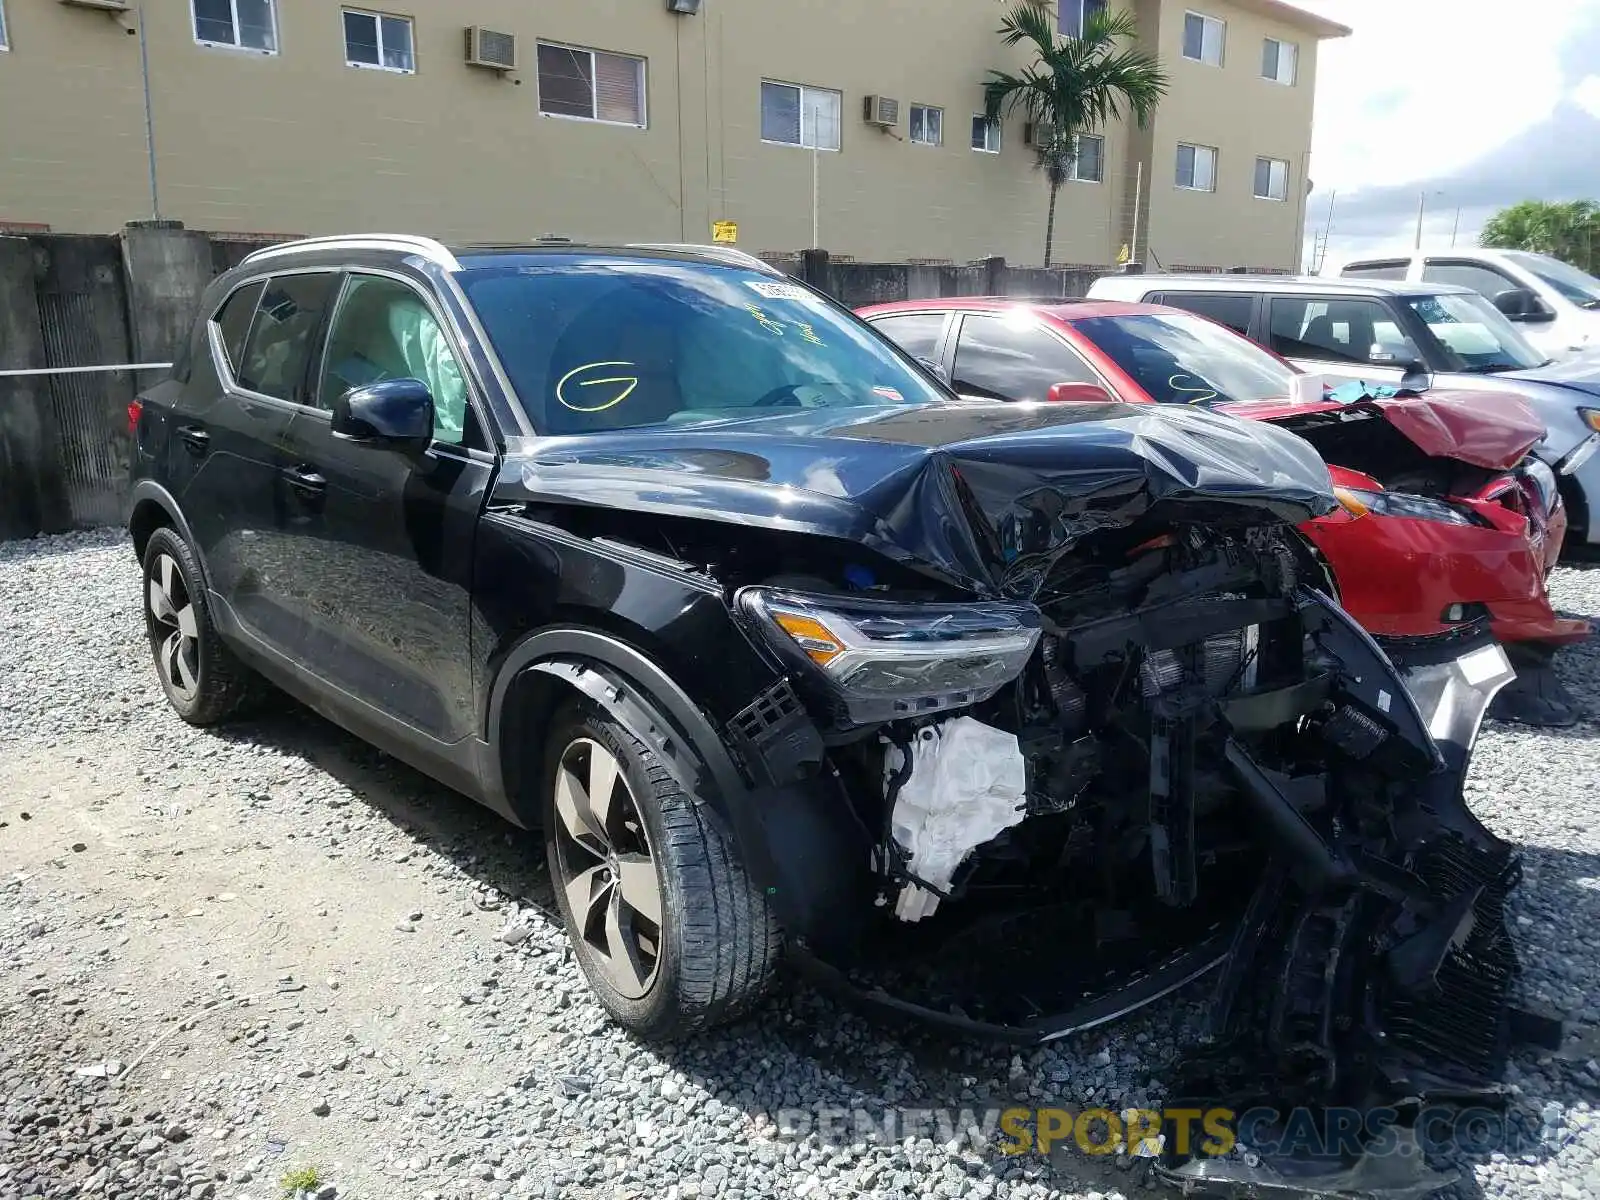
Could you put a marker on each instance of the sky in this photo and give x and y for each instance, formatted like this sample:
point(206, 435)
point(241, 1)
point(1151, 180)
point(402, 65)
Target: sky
point(1477, 104)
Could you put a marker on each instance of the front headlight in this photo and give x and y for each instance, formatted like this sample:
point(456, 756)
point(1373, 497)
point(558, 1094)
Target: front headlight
point(1359, 502)
point(884, 660)
point(1590, 417)
point(1544, 482)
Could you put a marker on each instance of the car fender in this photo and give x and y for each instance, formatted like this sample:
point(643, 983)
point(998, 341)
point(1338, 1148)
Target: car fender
point(148, 491)
point(790, 838)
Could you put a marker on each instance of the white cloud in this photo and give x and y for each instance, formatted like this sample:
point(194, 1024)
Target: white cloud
point(1587, 96)
point(1424, 87)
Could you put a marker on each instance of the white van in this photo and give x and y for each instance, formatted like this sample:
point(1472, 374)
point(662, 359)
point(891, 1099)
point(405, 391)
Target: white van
point(1556, 305)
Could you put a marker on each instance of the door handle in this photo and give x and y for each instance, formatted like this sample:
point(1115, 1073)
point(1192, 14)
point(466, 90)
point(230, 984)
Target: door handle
point(195, 438)
point(305, 480)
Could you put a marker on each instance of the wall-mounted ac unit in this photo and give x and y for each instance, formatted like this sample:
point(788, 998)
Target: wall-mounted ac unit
point(491, 49)
point(686, 8)
point(102, 5)
point(881, 111)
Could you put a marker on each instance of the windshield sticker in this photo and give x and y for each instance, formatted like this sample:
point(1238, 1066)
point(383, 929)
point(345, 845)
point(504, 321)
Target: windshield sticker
point(1203, 394)
point(889, 393)
point(613, 389)
point(773, 327)
point(780, 291)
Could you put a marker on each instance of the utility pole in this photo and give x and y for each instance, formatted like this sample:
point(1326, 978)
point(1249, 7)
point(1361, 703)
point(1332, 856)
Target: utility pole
point(1422, 199)
point(1456, 228)
point(816, 179)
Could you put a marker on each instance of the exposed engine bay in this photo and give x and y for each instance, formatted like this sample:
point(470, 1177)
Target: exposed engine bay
point(1203, 766)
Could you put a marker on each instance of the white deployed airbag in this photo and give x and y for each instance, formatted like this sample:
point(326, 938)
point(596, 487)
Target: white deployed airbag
point(968, 783)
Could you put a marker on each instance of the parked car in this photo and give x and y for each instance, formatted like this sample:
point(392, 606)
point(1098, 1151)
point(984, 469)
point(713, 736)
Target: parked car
point(1011, 717)
point(1385, 332)
point(1556, 304)
point(1445, 516)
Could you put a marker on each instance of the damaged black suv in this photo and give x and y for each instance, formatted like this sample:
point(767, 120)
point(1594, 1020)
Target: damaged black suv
point(1010, 716)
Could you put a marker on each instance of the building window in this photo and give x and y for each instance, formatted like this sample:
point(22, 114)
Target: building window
point(1203, 38)
point(985, 135)
point(242, 24)
point(927, 125)
point(1089, 165)
point(5, 44)
point(375, 40)
point(793, 115)
point(1073, 15)
point(591, 85)
point(1197, 167)
point(1272, 179)
point(1280, 61)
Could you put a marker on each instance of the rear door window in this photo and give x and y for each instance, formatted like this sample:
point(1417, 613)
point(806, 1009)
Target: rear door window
point(283, 333)
point(1330, 330)
point(233, 320)
point(1000, 358)
point(1233, 309)
point(917, 334)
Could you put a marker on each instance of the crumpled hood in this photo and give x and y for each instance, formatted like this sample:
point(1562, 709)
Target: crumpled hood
point(986, 495)
point(1494, 430)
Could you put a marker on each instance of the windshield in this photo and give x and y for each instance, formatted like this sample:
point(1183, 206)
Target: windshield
point(1581, 288)
point(1473, 335)
point(1179, 359)
point(610, 343)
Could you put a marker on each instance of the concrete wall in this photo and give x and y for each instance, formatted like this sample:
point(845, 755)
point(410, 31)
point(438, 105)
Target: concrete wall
point(297, 142)
point(85, 300)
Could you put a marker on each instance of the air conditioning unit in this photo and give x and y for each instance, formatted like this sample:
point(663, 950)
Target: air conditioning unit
point(1038, 134)
point(881, 111)
point(686, 8)
point(491, 49)
point(113, 6)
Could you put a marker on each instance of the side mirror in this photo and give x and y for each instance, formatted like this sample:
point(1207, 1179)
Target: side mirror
point(396, 413)
point(1519, 304)
point(1415, 376)
point(1079, 393)
point(935, 369)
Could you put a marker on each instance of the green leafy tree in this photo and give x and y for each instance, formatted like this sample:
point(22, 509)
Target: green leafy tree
point(1074, 85)
point(1568, 230)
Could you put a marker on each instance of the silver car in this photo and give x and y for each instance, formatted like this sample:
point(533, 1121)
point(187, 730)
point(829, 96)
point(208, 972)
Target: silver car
point(1387, 331)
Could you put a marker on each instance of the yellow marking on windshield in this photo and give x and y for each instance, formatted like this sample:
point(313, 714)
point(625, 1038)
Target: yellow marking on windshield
point(631, 380)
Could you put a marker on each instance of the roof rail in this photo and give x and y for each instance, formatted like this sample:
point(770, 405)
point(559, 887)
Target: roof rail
point(428, 248)
point(727, 254)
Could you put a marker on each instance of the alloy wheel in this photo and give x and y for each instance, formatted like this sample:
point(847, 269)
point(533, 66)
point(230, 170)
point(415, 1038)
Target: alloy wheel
point(607, 869)
point(174, 627)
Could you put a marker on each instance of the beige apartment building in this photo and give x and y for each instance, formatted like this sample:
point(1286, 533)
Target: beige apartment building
point(849, 124)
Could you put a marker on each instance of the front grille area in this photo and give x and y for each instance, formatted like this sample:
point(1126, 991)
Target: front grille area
point(1463, 1028)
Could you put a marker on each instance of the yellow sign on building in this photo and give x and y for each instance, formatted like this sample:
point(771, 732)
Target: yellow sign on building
point(725, 232)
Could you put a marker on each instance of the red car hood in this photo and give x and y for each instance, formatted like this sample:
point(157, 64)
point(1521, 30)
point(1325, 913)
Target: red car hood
point(1494, 430)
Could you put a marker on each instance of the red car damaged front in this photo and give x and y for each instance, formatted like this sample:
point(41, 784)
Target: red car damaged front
point(1446, 519)
point(1472, 524)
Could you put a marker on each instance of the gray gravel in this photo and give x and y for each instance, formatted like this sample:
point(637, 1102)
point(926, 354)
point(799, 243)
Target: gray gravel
point(225, 956)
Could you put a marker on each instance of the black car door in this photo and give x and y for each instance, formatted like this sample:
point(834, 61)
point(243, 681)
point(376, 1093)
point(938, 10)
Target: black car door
point(229, 438)
point(382, 538)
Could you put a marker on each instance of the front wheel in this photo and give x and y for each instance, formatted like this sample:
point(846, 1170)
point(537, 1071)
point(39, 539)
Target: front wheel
point(666, 926)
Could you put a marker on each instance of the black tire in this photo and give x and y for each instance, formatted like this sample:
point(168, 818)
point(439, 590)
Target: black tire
point(222, 685)
point(718, 942)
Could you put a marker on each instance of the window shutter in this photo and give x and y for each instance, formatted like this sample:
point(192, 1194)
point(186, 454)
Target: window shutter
point(618, 91)
point(780, 113)
point(566, 82)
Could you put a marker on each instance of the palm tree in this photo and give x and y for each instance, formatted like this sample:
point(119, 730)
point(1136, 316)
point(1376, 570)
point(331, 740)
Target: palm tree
point(1074, 84)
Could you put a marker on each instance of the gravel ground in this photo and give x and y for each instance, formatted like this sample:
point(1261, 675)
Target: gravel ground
point(226, 956)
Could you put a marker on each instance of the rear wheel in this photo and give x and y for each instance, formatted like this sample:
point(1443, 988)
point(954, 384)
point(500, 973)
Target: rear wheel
point(666, 926)
point(204, 682)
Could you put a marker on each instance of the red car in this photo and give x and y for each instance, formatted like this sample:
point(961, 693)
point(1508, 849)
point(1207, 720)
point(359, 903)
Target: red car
point(1445, 517)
